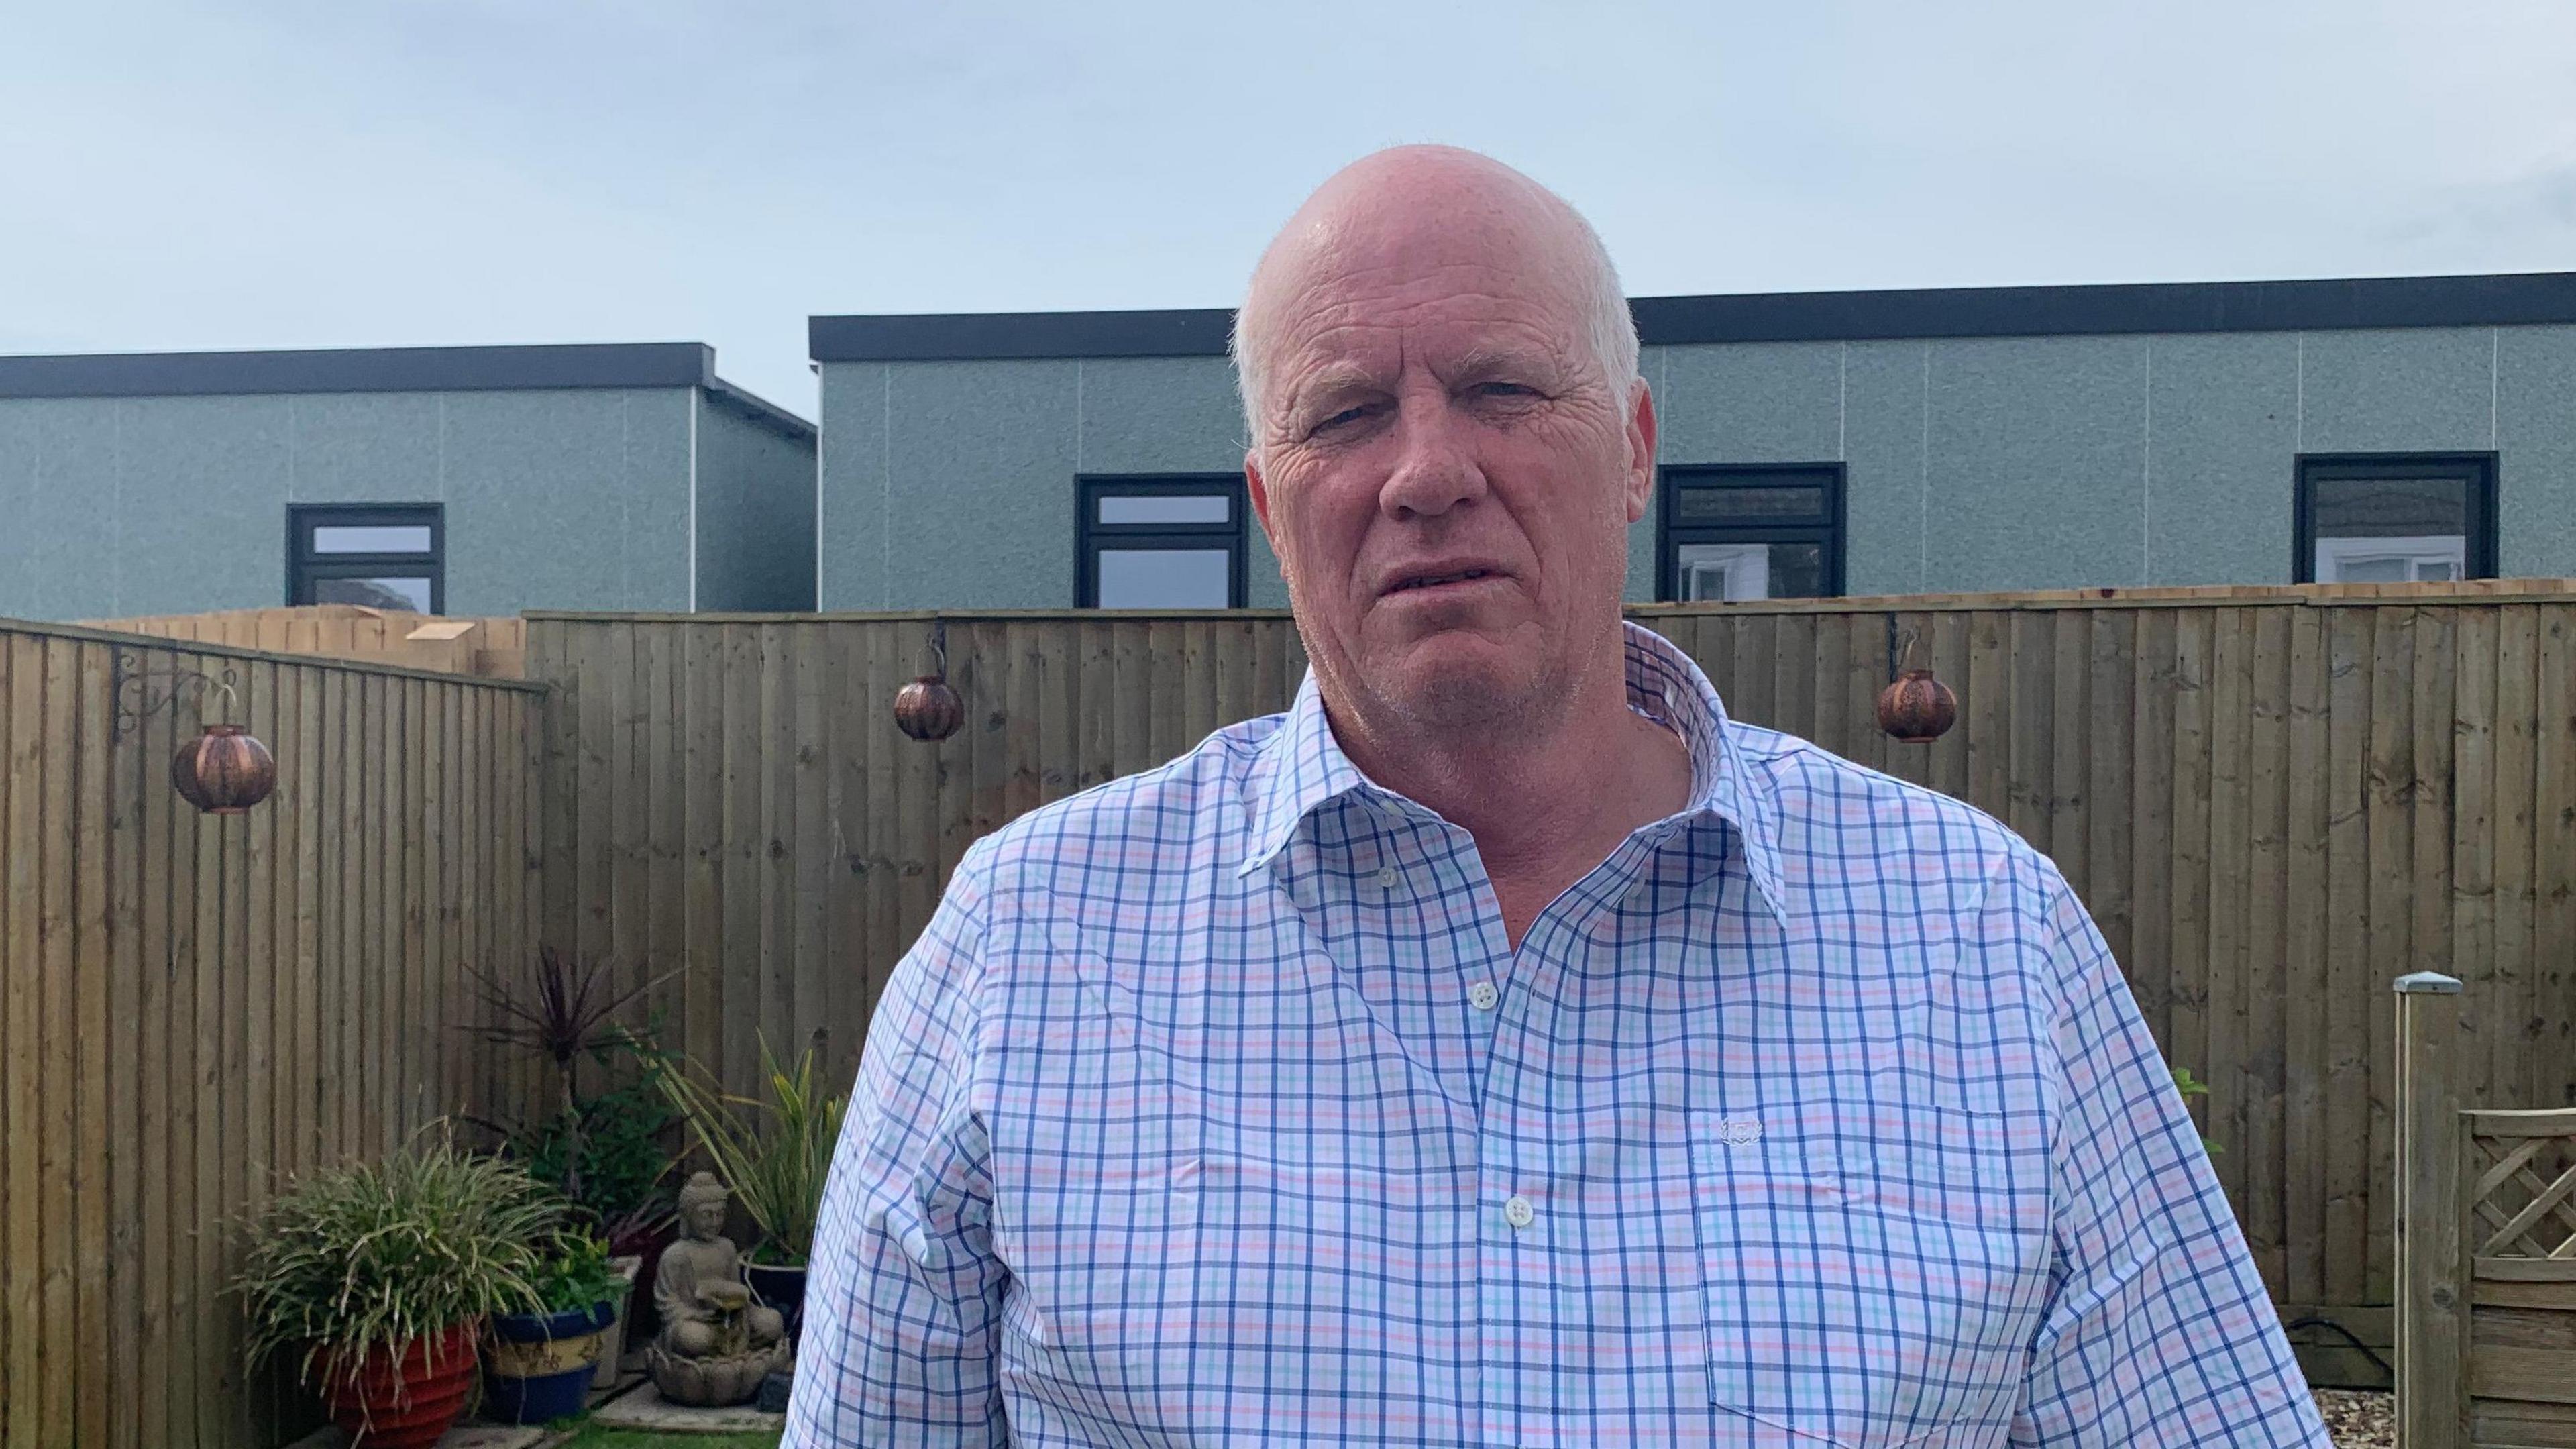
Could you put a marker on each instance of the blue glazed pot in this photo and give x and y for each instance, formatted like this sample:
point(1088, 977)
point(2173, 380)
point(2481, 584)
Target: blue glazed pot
point(540, 1368)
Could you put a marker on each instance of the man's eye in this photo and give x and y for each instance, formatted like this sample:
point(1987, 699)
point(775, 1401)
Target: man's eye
point(1505, 389)
point(1344, 418)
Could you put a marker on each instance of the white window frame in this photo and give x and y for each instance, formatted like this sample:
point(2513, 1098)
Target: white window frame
point(2415, 550)
point(1743, 569)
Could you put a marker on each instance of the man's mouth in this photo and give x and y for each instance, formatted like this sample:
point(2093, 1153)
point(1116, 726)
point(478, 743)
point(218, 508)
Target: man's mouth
point(1433, 581)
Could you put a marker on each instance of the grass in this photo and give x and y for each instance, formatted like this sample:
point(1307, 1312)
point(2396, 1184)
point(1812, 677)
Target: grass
point(596, 1436)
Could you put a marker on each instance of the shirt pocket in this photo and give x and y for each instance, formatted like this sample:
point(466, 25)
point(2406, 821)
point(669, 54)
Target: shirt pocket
point(1850, 1315)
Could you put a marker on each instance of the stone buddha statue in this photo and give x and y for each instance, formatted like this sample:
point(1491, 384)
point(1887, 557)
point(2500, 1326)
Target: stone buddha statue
point(715, 1340)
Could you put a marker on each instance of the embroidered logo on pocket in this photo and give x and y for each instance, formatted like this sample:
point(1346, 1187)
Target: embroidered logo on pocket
point(1740, 1131)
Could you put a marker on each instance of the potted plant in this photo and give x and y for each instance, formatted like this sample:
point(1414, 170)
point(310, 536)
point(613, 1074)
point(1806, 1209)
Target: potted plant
point(563, 1018)
point(774, 1150)
point(637, 1239)
point(377, 1276)
point(609, 1151)
point(604, 1151)
point(540, 1363)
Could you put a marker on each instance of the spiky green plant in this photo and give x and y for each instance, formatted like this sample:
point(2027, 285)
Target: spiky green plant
point(564, 1017)
point(370, 1256)
point(773, 1150)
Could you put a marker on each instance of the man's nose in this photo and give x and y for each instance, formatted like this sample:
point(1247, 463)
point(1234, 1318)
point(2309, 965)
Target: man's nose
point(1435, 466)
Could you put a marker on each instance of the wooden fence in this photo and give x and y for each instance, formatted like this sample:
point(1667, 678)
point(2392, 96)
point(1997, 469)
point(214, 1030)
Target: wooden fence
point(492, 648)
point(2486, 1249)
point(2272, 803)
point(192, 1007)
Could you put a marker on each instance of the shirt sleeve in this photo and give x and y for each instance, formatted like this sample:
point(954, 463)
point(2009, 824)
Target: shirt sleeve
point(2158, 1329)
point(903, 1299)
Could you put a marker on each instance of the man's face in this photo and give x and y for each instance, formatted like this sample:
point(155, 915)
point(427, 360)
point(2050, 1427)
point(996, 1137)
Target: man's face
point(1445, 470)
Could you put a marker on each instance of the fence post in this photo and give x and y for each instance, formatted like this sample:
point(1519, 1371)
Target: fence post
point(2432, 1292)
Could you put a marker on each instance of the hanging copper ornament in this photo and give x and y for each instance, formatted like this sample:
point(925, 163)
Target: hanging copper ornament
point(927, 709)
point(1917, 708)
point(224, 771)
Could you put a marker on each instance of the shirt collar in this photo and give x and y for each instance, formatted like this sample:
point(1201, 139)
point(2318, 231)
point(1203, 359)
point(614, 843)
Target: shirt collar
point(1301, 767)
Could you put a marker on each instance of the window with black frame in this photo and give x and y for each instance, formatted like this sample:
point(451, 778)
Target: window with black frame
point(2395, 518)
point(1160, 542)
point(1768, 532)
point(381, 555)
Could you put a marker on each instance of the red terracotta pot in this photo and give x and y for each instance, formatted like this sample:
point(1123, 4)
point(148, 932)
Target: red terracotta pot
point(406, 1399)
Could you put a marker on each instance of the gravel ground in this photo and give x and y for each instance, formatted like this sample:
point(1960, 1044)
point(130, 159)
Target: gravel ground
point(2359, 1418)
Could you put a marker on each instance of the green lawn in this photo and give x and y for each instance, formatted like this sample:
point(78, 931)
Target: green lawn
point(594, 1436)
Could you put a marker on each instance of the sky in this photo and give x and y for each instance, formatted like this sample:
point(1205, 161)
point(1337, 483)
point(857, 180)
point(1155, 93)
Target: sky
point(289, 173)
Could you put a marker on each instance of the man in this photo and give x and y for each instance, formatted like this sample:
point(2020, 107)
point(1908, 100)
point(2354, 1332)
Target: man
point(1503, 1047)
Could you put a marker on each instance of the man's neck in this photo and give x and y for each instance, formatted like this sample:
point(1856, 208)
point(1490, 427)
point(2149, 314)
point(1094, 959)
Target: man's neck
point(1545, 806)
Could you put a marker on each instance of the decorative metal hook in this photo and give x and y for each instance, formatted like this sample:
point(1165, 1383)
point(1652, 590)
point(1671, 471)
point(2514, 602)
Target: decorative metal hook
point(939, 647)
point(1900, 655)
point(141, 692)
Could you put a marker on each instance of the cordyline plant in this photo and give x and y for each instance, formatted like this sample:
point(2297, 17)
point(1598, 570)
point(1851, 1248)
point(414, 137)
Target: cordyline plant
point(610, 1154)
point(370, 1257)
point(773, 1150)
point(564, 1018)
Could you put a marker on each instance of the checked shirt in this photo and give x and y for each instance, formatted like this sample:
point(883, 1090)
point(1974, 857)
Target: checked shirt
point(1214, 1108)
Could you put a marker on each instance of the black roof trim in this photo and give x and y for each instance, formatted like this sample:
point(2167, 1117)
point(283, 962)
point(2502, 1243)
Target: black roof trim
point(2300, 306)
point(2511, 299)
point(361, 369)
point(948, 336)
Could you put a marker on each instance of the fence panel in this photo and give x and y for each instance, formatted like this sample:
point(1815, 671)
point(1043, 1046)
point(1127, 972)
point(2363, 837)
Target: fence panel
point(193, 1008)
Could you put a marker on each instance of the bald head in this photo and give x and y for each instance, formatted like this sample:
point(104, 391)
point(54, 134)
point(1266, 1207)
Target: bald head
point(1422, 209)
point(1449, 445)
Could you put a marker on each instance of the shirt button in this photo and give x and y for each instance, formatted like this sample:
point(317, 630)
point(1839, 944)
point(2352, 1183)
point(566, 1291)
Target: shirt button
point(1386, 880)
point(1519, 1213)
point(1482, 996)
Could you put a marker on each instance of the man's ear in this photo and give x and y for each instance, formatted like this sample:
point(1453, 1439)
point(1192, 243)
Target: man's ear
point(1641, 453)
point(1258, 489)
point(1260, 492)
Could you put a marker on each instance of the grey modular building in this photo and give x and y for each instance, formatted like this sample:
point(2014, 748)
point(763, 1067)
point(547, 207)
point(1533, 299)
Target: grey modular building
point(465, 480)
point(1812, 443)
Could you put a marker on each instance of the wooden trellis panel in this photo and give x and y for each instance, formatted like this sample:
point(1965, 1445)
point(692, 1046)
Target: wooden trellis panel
point(2525, 1166)
point(2486, 1225)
